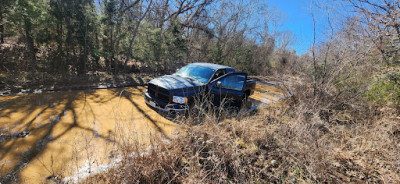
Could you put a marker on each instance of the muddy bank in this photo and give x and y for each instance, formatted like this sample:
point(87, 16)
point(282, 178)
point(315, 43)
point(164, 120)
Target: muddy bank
point(10, 85)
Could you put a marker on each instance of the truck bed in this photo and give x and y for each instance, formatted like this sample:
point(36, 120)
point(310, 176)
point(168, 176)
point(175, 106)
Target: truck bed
point(250, 86)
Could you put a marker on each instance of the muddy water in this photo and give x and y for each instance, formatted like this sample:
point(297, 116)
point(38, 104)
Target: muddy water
point(54, 135)
point(264, 94)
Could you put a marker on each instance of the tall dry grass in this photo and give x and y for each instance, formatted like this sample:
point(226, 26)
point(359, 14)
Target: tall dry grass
point(304, 138)
point(282, 142)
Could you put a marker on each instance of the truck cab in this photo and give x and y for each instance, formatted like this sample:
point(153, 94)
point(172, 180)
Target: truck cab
point(175, 93)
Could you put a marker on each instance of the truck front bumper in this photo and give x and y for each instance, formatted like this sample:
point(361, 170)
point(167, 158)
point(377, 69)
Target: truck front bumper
point(171, 108)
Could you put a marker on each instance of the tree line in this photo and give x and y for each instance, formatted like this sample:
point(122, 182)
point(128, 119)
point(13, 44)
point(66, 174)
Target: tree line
point(158, 36)
point(81, 36)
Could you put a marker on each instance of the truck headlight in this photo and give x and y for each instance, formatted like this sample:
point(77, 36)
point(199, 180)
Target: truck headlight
point(180, 100)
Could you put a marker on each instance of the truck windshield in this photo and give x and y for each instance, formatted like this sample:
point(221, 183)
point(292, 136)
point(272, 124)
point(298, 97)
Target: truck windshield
point(200, 73)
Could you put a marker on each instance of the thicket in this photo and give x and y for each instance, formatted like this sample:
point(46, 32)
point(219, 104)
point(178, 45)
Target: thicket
point(80, 37)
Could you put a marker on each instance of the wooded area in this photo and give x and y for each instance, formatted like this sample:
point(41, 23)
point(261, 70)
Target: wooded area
point(81, 36)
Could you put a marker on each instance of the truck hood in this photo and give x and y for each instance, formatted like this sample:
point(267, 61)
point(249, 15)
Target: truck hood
point(174, 82)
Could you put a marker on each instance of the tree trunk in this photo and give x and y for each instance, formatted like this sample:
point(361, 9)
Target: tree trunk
point(85, 56)
point(29, 42)
point(1, 27)
point(129, 51)
point(112, 45)
point(59, 37)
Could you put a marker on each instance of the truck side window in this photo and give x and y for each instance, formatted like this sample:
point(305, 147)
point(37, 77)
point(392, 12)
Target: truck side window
point(219, 73)
point(234, 82)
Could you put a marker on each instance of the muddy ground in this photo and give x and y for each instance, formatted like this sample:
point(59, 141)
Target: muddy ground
point(59, 134)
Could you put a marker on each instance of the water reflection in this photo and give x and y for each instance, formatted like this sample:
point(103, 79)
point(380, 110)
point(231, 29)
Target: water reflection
point(265, 93)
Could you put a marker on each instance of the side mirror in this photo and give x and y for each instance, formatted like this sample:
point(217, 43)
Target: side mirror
point(218, 84)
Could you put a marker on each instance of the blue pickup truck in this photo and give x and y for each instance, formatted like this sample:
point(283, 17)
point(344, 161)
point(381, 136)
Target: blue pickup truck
point(176, 93)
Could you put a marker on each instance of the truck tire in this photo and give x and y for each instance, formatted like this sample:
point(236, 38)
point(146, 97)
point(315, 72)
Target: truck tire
point(246, 95)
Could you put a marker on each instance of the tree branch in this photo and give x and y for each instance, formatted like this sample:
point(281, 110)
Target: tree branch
point(131, 5)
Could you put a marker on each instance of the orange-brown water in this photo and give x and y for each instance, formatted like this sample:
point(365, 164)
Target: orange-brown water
point(68, 130)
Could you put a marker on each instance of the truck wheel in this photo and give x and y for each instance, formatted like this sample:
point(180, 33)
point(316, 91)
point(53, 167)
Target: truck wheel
point(246, 95)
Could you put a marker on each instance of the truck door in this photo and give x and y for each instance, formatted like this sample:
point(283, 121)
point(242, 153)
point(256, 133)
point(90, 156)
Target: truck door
point(228, 88)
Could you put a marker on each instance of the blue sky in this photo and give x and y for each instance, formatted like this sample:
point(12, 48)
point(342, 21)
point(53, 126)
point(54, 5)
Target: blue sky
point(298, 20)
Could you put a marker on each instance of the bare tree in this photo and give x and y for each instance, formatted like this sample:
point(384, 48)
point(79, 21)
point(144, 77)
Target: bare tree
point(164, 11)
point(135, 30)
point(381, 21)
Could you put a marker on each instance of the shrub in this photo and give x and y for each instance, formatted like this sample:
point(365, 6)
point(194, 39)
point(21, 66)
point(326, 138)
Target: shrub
point(385, 92)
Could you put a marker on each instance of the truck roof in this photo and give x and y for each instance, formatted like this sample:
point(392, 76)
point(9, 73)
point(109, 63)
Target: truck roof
point(213, 66)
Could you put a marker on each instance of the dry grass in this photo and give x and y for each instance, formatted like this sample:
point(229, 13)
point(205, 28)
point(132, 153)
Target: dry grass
point(305, 138)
